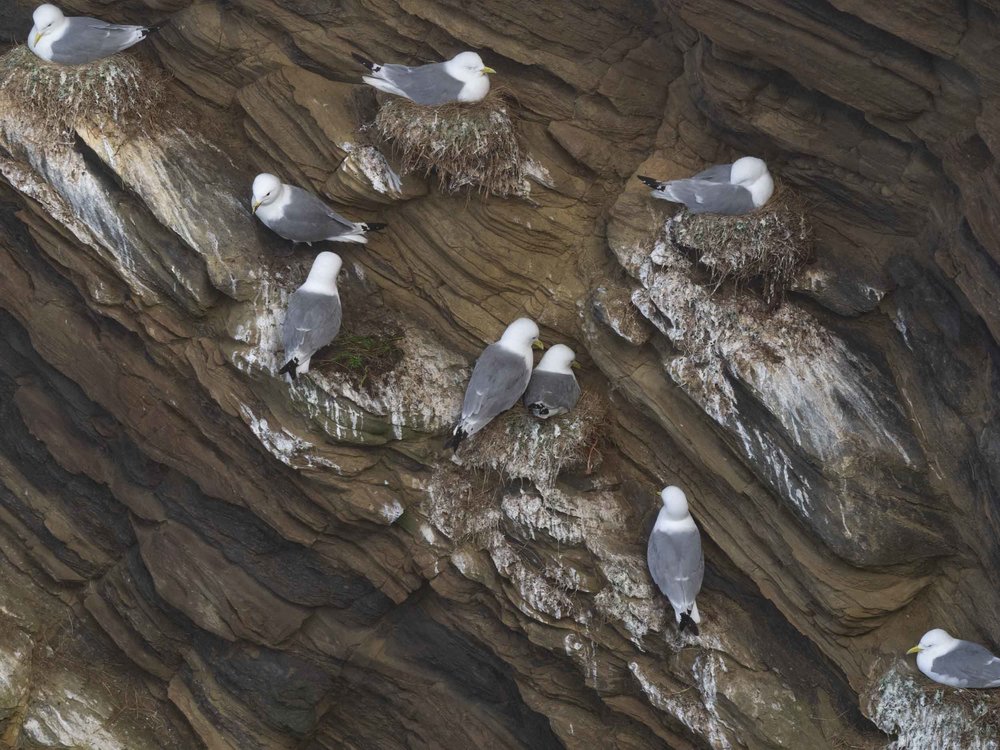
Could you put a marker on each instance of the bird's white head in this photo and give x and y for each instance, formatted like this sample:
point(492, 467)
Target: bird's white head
point(47, 18)
point(467, 66)
point(266, 189)
point(932, 639)
point(559, 358)
point(521, 335)
point(674, 503)
point(747, 170)
point(323, 274)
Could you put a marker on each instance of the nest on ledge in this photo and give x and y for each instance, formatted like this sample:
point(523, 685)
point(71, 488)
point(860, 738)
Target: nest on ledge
point(58, 98)
point(519, 446)
point(466, 145)
point(764, 250)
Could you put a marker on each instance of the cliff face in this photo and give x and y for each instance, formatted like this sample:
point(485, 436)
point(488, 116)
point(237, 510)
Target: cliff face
point(196, 554)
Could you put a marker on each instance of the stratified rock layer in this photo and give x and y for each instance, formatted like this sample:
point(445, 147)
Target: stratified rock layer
point(197, 554)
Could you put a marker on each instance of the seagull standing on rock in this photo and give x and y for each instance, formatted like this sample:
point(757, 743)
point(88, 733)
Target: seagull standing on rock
point(463, 78)
point(312, 320)
point(300, 216)
point(737, 188)
point(78, 40)
point(498, 380)
point(675, 558)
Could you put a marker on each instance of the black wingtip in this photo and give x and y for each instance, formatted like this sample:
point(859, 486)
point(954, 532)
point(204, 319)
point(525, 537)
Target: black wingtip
point(373, 226)
point(687, 623)
point(456, 438)
point(539, 410)
point(290, 367)
point(156, 27)
point(364, 61)
point(655, 184)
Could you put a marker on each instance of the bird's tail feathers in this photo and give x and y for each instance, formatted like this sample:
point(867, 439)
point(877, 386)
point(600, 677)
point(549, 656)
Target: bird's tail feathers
point(290, 368)
point(687, 623)
point(373, 67)
point(457, 437)
point(655, 184)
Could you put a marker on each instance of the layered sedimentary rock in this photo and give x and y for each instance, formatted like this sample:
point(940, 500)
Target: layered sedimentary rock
point(197, 554)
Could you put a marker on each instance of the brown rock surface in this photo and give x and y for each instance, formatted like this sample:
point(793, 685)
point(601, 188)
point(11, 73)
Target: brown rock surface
point(197, 555)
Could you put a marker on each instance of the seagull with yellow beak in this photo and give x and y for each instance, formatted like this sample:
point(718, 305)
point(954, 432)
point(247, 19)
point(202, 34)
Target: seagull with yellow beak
point(463, 78)
point(78, 40)
point(954, 662)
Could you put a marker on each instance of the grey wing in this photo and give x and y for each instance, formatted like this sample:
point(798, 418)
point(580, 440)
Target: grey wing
point(497, 382)
point(89, 39)
point(306, 218)
point(970, 662)
point(717, 173)
point(708, 197)
point(551, 393)
point(425, 84)
point(677, 565)
point(311, 322)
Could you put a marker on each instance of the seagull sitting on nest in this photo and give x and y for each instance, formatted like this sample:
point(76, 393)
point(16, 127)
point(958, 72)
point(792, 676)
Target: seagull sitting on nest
point(498, 380)
point(300, 216)
point(78, 39)
point(675, 558)
point(737, 188)
point(312, 320)
point(463, 78)
point(553, 389)
point(961, 664)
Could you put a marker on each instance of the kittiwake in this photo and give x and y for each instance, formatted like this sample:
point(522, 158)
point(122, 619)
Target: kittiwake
point(78, 39)
point(300, 216)
point(313, 317)
point(463, 78)
point(675, 558)
point(961, 664)
point(737, 188)
point(498, 379)
point(553, 389)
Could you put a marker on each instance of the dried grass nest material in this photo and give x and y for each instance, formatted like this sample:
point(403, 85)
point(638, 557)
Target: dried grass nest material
point(466, 145)
point(520, 446)
point(764, 250)
point(58, 98)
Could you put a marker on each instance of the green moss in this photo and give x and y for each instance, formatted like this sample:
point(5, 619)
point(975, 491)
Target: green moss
point(361, 357)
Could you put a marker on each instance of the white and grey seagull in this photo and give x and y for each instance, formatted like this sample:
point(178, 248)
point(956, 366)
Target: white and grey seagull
point(498, 379)
point(78, 39)
point(553, 389)
point(954, 662)
point(737, 188)
point(675, 558)
point(312, 319)
point(463, 78)
point(300, 216)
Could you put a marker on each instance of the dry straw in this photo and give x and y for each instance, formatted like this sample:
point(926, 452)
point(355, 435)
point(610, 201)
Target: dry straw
point(472, 145)
point(764, 250)
point(57, 99)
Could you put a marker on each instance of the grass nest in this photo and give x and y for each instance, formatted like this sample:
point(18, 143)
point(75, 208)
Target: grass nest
point(471, 145)
point(764, 250)
point(362, 356)
point(121, 89)
point(517, 445)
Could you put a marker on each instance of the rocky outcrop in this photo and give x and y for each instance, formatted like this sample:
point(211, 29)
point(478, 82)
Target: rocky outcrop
point(197, 554)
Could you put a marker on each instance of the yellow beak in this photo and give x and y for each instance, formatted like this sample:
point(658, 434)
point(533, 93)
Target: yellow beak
point(914, 650)
point(575, 365)
point(488, 70)
point(38, 35)
point(256, 205)
point(537, 344)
